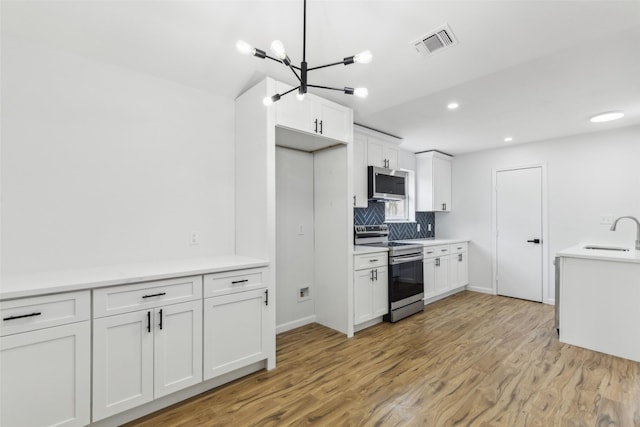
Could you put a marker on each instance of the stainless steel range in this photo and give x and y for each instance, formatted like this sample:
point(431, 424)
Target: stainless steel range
point(406, 280)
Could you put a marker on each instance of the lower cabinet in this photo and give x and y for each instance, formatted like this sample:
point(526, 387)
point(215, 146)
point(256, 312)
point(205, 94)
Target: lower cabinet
point(146, 354)
point(370, 291)
point(235, 331)
point(445, 268)
point(46, 377)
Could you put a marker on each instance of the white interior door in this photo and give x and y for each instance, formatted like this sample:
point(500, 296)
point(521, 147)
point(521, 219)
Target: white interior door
point(519, 233)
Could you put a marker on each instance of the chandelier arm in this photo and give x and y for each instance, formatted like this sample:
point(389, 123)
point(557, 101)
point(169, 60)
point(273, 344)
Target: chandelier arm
point(326, 87)
point(289, 91)
point(296, 74)
point(327, 65)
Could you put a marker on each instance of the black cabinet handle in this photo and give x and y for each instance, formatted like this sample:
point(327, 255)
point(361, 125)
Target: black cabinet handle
point(235, 282)
point(373, 260)
point(22, 316)
point(437, 262)
point(320, 127)
point(460, 257)
point(154, 295)
point(160, 318)
point(148, 321)
point(376, 274)
point(266, 297)
point(316, 123)
point(371, 275)
point(354, 200)
point(536, 241)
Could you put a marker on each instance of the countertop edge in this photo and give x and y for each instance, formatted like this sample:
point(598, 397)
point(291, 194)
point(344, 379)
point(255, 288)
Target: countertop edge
point(22, 286)
point(578, 251)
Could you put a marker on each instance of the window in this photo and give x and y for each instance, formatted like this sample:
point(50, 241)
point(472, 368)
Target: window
point(403, 210)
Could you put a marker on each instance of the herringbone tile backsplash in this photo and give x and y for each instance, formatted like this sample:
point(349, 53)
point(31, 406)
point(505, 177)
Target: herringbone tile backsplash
point(374, 214)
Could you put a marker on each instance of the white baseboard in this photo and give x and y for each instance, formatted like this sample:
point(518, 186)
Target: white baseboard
point(549, 301)
point(295, 324)
point(479, 289)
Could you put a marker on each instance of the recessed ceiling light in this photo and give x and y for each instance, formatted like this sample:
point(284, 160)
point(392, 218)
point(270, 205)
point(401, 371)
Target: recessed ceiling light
point(508, 139)
point(453, 105)
point(607, 117)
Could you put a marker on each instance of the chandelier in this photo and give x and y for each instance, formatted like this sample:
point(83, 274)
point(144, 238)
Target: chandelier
point(302, 71)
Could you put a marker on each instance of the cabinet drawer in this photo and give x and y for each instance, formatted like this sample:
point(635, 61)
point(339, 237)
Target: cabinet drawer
point(436, 251)
point(378, 259)
point(28, 314)
point(458, 248)
point(127, 298)
point(234, 281)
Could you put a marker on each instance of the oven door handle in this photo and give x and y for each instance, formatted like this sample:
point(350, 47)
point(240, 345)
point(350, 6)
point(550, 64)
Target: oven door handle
point(405, 258)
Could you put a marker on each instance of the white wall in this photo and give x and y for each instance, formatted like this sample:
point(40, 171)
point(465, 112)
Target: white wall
point(588, 175)
point(103, 165)
point(294, 251)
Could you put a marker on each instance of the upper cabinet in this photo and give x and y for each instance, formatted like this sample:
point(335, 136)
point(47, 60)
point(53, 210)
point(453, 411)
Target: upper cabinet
point(433, 182)
point(371, 148)
point(381, 154)
point(314, 115)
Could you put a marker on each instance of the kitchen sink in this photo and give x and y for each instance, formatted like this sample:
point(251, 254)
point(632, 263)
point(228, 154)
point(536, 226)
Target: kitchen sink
point(607, 248)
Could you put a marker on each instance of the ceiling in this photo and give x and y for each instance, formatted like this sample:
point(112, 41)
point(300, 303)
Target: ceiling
point(532, 70)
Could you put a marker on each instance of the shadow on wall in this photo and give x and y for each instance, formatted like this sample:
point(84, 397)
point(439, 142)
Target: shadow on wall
point(374, 214)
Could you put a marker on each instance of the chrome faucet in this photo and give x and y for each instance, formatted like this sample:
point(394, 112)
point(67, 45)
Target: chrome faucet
point(613, 228)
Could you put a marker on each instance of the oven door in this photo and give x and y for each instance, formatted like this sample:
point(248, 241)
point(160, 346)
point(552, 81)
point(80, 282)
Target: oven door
point(406, 281)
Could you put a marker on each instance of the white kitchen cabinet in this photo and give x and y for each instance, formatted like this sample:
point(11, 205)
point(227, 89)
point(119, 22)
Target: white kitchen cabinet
point(360, 195)
point(45, 369)
point(433, 182)
point(381, 154)
point(144, 355)
point(445, 269)
point(459, 265)
point(235, 331)
point(370, 292)
point(314, 115)
point(150, 348)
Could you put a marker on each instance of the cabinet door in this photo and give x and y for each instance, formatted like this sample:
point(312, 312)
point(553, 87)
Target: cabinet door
point(235, 329)
point(442, 184)
point(442, 274)
point(335, 121)
point(429, 273)
point(292, 113)
point(177, 347)
point(46, 377)
point(375, 153)
point(362, 297)
point(122, 362)
point(462, 267)
point(360, 171)
point(380, 292)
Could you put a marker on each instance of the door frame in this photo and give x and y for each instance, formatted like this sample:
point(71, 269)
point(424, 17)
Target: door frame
point(545, 227)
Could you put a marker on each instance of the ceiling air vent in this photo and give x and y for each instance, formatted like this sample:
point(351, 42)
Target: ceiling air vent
point(435, 41)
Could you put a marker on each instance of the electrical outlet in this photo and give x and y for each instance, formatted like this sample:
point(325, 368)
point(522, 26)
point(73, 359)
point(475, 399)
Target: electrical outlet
point(418, 228)
point(194, 238)
point(429, 226)
point(606, 219)
point(300, 229)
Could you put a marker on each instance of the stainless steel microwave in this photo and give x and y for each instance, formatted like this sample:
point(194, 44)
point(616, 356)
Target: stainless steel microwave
point(386, 184)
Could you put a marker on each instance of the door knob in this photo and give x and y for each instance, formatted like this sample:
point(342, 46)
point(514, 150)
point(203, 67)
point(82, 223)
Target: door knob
point(536, 241)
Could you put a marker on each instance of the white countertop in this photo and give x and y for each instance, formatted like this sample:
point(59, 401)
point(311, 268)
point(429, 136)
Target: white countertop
point(362, 249)
point(578, 251)
point(435, 242)
point(25, 285)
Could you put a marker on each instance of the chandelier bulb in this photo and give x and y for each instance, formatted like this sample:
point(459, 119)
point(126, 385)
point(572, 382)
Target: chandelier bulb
point(245, 48)
point(278, 49)
point(268, 100)
point(363, 57)
point(300, 96)
point(361, 92)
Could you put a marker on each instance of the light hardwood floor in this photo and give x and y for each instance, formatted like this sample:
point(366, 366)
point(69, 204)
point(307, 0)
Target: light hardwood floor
point(471, 359)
